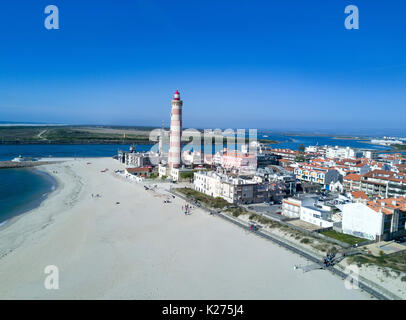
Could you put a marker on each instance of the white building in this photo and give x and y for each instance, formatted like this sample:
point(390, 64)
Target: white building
point(343, 153)
point(136, 160)
point(362, 221)
point(316, 216)
point(219, 185)
point(291, 206)
point(232, 189)
point(173, 173)
point(371, 154)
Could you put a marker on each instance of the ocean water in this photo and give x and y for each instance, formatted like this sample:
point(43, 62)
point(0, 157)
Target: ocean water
point(22, 190)
point(8, 152)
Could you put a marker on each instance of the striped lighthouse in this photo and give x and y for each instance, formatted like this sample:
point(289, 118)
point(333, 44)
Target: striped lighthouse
point(175, 133)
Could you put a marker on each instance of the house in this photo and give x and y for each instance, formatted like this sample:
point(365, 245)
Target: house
point(141, 172)
point(175, 174)
point(359, 196)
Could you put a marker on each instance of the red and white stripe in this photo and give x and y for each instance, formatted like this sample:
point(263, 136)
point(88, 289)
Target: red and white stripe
point(174, 158)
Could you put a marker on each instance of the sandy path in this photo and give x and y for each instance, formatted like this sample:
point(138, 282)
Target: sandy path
point(143, 248)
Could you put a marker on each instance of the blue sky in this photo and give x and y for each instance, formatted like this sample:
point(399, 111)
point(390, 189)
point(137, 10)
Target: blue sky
point(282, 65)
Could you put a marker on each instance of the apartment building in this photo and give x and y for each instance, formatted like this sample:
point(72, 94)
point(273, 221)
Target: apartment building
point(317, 216)
point(232, 189)
point(379, 220)
point(384, 183)
point(320, 175)
point(285, 153)
point(343, 153)
point(352, 182)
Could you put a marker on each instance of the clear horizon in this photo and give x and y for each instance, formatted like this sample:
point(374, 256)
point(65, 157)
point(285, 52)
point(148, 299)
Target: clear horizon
point(258, 64)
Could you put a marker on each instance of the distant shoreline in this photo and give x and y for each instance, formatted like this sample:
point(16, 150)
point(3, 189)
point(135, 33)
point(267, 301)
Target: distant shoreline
point(351, 138)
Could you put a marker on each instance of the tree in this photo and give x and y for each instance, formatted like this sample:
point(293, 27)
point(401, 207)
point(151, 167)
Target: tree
point(300, 158)
point(301, 147)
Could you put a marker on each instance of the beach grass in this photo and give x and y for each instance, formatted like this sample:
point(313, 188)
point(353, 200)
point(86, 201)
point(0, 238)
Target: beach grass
point(395, 261)
point(212, 202)
point(343, 237)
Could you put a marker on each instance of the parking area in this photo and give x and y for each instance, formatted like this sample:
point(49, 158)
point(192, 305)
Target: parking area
point(304, 225)
point(272, 211)
point(387, 247)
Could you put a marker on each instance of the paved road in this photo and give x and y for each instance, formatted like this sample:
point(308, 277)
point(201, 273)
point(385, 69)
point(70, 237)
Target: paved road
point(333, 270)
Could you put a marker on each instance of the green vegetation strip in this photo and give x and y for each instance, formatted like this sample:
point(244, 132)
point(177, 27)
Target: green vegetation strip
point(343, 237)
point(396, 261)
point(217, 203)
point(400, 146)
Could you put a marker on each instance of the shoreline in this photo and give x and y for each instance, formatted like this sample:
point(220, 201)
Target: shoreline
point(25, 209)
point(36, 203)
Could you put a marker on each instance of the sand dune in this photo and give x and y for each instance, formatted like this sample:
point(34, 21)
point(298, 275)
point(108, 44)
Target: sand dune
point(143, 248)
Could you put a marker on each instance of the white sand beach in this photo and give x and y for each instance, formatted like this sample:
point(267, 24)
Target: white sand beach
point(143, 248)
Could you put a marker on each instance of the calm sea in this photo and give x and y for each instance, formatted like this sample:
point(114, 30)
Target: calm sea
point(21, 190)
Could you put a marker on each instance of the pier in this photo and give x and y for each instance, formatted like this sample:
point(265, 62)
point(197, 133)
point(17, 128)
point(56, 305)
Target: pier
point(23, 164)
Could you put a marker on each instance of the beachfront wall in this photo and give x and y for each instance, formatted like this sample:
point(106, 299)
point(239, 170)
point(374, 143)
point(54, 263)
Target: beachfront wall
point(361, 221)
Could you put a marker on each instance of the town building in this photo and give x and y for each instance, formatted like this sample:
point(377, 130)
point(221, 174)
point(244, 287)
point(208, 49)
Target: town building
point(379, 220)
point(291, 206)
point(285, 153)
point(383, 183)
point(234, 189)
point(324, 176)
point(143, 172)
point(352, 182)
point(317, 216)
point(343, 153)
